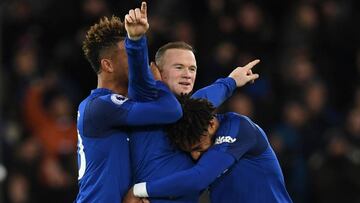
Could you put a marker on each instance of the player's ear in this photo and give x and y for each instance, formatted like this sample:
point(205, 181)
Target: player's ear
point(155, 71)
point(106, 65)
point(154, 65)
point(212, 123)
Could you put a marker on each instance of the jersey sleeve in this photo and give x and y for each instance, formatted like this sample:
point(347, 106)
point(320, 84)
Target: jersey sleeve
point(217, 92)
point(141, 81)
point(115, 110)
point(211, 165)
point(239, 136)
point(164, 110)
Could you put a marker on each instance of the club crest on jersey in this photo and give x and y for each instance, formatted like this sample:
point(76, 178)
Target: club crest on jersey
point(118, 99)
point(223, 139)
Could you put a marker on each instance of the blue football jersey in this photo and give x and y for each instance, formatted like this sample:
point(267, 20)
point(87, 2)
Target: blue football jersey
point(104, 119)
point(256, 175)
point(152, 154)
point(241, 167)
point(154, 157)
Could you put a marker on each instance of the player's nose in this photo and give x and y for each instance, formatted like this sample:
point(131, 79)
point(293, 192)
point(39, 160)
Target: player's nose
point(186, 73)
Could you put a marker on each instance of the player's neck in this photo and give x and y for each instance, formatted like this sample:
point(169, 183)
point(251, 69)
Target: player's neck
point(115, 87)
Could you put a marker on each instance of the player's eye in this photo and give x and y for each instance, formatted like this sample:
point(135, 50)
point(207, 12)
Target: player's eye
point(192, 69)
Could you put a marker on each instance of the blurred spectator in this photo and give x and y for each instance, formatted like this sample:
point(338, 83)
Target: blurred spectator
point(298, 70)
point(254, 33)
point(309, 71)
point(23, 177)
point(93, 10)
point(352, 127)
point(242, 104)
point(50, 118)
point(321, 116)
point(19, 189)
point(335, 175)
point(288, 139)
point(23, 70)
point(184, 32)
point(303, 27)
point(220, 62)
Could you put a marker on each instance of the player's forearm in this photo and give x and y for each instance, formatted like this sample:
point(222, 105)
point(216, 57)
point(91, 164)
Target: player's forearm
point(141, 81)
point(165, 109)
point(217, 92)
point(193, 180)
point(169, 107)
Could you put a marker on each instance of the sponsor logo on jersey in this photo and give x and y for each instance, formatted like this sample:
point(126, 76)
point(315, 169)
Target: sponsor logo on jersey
point(223, 139)
point(118, 99)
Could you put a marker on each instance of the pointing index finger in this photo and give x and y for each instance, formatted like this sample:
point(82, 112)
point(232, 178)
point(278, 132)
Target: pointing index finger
point(252, 64)
point(144, 9)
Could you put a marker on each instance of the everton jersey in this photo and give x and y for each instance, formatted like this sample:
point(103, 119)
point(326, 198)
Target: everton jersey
point(104, 119)
point(152, 154)
point(241, 167)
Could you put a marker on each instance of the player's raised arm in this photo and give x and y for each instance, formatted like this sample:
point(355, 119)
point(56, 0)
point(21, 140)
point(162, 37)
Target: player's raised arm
point(136, 23)
point(141, 82)
point(223, 88)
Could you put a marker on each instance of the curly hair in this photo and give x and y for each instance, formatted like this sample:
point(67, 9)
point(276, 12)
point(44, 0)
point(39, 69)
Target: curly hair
point(102, 37)
point(197, 114)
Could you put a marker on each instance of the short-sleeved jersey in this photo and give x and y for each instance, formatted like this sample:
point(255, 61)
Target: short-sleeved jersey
point(241, 167)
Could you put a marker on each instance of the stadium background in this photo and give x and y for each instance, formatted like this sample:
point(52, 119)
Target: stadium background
point(307, 98)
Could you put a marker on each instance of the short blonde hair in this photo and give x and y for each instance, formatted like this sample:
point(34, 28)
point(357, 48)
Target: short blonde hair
point(171, 45)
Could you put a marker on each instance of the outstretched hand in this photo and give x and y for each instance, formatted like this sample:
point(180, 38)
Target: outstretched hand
point(243, 75)
point(136, 22)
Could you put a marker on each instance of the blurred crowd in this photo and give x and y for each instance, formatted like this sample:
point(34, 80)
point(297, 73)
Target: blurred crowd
point(307, 98)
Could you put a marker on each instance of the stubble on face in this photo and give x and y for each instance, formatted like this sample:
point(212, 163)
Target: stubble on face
point(178, 70)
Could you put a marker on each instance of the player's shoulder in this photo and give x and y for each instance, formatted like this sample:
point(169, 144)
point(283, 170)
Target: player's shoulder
point(103, 101)
point(237, 118)
point(238, 123)
point(230, 125)
point(116, 99)
point(107, 98)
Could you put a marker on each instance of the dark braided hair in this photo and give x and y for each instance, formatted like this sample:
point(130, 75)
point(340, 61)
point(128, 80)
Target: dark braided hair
point(197, 114)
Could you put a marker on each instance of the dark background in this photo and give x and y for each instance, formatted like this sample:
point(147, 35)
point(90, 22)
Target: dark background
point(307, 98)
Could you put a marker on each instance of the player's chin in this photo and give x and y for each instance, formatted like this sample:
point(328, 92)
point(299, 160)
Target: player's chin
point(186, 89)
